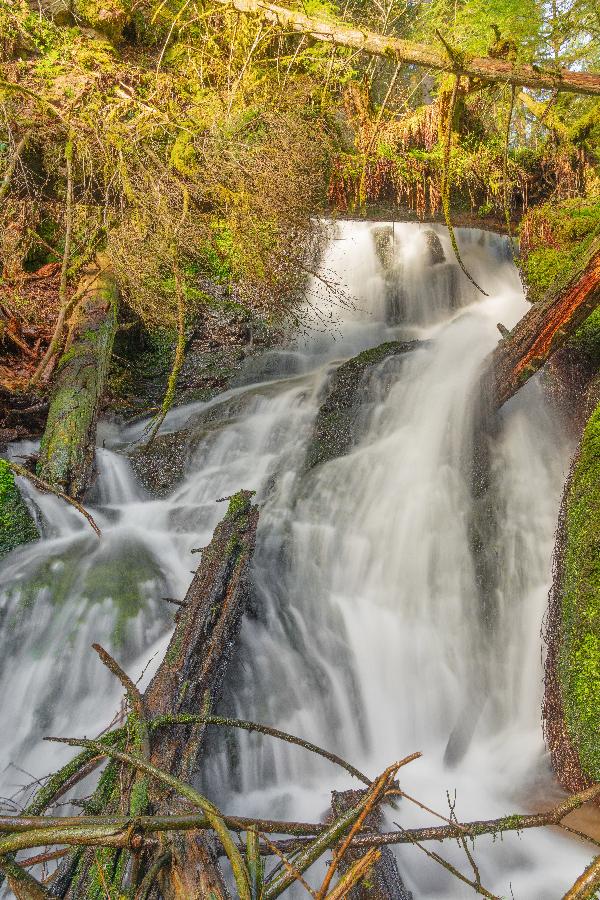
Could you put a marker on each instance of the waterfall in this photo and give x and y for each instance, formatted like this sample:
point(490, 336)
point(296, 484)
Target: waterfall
point(366, 633)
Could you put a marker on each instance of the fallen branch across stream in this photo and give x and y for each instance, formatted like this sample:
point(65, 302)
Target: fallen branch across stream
point(46, 488)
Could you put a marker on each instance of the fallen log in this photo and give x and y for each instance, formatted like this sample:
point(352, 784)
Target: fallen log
point(446, 59)
point(543, 329)
point(188, 680)
point(68, 444)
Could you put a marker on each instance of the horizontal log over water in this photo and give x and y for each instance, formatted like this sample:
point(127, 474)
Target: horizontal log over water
point(485, 67)
point(119, 830)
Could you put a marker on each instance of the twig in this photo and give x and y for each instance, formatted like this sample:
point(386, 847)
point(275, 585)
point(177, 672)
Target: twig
point(354, 874)
point(214, 815)
point(288, 865)
point(478, 888)
point(374, 795)
point(133, 693)
point(12, 165)
point(65, 304)
point(161, 721)
point(42, 485)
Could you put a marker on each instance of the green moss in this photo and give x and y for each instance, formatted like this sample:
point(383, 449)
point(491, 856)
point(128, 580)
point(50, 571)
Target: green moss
point(16, 522)
point(555, 237)
point(334, 425)
point(587, 339)
point(579, 657)
point(138, 800)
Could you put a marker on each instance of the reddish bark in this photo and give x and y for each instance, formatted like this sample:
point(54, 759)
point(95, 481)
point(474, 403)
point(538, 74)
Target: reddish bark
point(544, 328)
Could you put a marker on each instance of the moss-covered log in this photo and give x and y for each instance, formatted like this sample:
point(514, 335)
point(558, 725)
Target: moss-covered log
point(334, 427)
point(16, 522)
point(487, 68)
point(572, 695)
point(67, 448)
point(545, 328)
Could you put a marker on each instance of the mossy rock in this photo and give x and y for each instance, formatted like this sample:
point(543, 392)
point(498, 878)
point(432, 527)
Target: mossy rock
point(335, 424)
point(161, 466)
point(579, 655)
point(16, 522)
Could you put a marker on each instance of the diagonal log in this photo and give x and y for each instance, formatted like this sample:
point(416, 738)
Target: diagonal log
point(189, 680)
point(485, 67)
point(543, 329)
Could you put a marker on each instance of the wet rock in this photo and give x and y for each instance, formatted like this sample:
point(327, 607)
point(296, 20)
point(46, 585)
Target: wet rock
point(334, 428)
point(161, 466)
point(434, 245)
point(383, 240)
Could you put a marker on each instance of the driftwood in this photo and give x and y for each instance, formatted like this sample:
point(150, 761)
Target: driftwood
point(445, 59)
point(543, 329)
point(67, 448)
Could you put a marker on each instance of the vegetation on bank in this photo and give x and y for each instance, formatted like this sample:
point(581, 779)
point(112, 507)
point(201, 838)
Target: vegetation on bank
point(579, 654)
point(16, 522)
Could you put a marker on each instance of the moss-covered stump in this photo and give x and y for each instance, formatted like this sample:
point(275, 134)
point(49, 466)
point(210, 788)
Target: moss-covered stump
point(67, 448)
point(16, 522)
point(572, 699)
point(333, 431)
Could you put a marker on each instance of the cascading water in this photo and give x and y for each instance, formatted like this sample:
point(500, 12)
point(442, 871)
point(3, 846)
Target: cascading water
point(366, 633)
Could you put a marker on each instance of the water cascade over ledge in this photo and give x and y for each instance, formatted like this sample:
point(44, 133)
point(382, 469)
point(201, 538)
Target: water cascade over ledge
point(367, 633)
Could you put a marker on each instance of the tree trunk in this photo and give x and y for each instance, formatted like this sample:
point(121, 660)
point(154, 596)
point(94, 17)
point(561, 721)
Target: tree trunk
point(544, 328)
point(443, 59)
point(67, 448)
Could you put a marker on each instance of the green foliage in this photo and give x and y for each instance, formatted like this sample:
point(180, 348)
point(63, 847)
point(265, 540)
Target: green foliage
point(554, 238)
point(16, 522)
point(579, 657)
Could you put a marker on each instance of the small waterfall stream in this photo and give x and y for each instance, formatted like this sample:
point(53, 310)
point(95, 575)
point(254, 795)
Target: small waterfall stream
point(366, 634)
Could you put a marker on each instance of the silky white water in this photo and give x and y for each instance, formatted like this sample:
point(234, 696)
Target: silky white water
point(366, 633)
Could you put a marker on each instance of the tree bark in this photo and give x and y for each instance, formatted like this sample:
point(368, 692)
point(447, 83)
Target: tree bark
point(383, 880)
point(459, 62)
point(189, 681)
point(67, 448)
point(544, 328)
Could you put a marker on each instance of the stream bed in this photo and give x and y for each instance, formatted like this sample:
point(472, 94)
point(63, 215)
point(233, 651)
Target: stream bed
point(366, 633)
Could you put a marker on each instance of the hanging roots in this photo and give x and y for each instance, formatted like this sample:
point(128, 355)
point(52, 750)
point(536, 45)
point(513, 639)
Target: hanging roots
point(446, 185)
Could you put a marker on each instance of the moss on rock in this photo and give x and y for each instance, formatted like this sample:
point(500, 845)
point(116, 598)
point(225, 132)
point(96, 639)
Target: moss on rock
point(334, 426)
point(579, 655)
point(16, 522)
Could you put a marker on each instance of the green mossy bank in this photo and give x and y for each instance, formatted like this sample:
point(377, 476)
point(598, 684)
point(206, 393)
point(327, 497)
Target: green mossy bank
point(16, 522)
point(578, 666)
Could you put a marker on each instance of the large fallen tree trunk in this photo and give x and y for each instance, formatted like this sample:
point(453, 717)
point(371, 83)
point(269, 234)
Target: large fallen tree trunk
point(443, 59)
point(544, 328)
point(67, 448)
